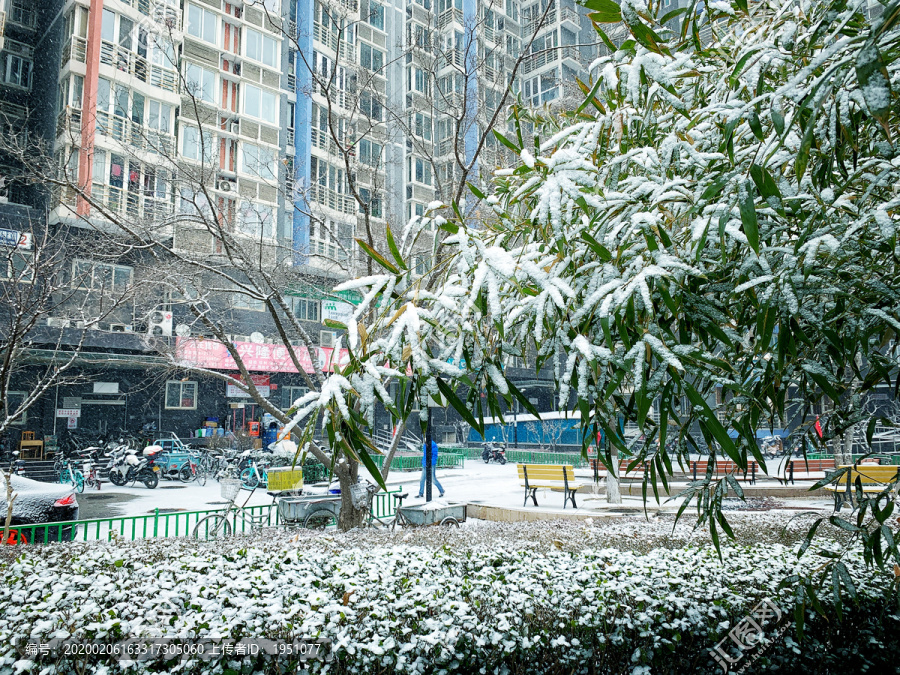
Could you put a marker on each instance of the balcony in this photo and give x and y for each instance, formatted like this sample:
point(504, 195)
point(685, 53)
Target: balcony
point(75, 50)
point(68, 123)
point(539, 60)
point(338, 98)
point(128, 62)
point(572, 55)
point(323, 196)
point(133, 135)
point(134, 205)
point(329, 38)
point(450, 16)
point(570, 19)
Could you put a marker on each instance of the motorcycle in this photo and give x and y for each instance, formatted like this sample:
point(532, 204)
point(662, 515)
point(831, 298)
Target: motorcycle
point(493, 454)
point(126, 467)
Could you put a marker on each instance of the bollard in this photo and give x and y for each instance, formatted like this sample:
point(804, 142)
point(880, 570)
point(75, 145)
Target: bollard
point(695, 470)
point(753, 473)
point(791, 472)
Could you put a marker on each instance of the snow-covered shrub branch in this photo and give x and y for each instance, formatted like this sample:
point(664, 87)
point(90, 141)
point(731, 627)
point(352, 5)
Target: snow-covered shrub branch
point(414, 609)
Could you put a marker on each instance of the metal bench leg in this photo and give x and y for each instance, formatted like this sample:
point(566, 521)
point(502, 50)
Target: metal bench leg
point(570, 495)
point(530, 492)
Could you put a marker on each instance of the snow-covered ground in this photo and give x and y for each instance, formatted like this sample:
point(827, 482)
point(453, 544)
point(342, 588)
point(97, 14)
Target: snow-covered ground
point(477, 483)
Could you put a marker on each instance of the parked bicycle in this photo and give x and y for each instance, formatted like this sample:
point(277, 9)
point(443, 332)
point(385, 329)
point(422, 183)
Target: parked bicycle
point(220, 525)
point(254, 475)
point(193, 470)
point(91, 475)
point(69, 474)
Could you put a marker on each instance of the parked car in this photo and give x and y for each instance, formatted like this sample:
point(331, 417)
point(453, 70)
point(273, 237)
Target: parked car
point(37, 503)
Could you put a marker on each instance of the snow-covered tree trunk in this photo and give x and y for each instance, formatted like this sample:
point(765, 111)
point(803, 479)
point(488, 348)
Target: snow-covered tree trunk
point(613, 496)
point(10, 499)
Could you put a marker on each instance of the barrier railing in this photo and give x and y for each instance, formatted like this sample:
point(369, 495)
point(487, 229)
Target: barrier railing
point(162, 525)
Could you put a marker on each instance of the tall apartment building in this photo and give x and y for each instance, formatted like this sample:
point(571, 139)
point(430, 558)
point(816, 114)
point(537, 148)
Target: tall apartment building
point(411, 85)
point(158, 98)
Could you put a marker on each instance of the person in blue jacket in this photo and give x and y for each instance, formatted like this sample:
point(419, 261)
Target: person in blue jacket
point(434, 461)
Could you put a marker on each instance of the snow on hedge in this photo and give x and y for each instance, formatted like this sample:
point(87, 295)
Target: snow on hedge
point(402, 608)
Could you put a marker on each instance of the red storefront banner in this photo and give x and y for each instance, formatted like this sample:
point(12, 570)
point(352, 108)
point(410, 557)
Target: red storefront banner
point(263, 358)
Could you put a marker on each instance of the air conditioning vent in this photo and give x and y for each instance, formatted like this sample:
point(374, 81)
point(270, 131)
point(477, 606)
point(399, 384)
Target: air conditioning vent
point(327, 338)
point(227, 186)
point(234, 127)
point(159, 323)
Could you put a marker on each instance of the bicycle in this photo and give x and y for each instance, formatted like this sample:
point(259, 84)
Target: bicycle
point(73, 476)
point(192, 471)
point(252, 478)
point(217, 525)
point(91, 476)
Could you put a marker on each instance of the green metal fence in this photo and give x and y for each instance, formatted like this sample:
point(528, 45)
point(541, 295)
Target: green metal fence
point(447, 460)
point(164, 525)
point(531, 456)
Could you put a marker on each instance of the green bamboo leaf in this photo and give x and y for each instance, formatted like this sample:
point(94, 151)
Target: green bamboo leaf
point(459, 406)
point(508, 143)
point(802, 160)
point(394, 250)
point(874, 81)
point(755, 126)
point(376, 256)
point(748, 216)
point(603, 11)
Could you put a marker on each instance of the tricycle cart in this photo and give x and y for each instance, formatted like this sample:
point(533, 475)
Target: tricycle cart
point(432, 514)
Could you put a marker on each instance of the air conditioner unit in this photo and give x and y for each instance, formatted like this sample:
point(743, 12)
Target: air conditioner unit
point(234, 127)
point(327, 338)
point(159, 323)
point(236, 69)
point(226, 186)
point(121, 327)
point(55, 322)
point(80, 324)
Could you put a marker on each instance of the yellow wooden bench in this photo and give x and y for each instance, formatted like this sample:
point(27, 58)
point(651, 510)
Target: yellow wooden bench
point(553, 476)
point(872, 477)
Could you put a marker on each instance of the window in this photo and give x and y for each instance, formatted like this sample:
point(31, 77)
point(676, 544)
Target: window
point(261, 48)
point(305, 309)
point(375, 15)
point(256, 220)
point(14, 400)
point(260, 103)
point(16, 71)
point(258, 161)
point(22, 12)
point(181, 395)
point(101, 276)
point(200, 82)
point(417, 80)
point(202, 23)
point(291, 394)
point(369, 152)
point(160, 117)
point(18, 267)
point(422, 126)
point(373, 200)
point(108, 26)
point(241, 301)
point(197, 145)
point(371, 106)
point(420, 171)
point(371, 58)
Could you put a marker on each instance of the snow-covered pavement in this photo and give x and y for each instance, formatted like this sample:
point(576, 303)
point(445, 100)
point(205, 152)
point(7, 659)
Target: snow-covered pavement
point(477, 483)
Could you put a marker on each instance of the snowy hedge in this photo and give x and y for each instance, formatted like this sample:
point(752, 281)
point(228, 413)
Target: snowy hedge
point(412, 609)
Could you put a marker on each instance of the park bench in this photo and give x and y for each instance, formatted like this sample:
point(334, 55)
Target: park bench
point(872, 477)
point(791, 470)
point(553, 476)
